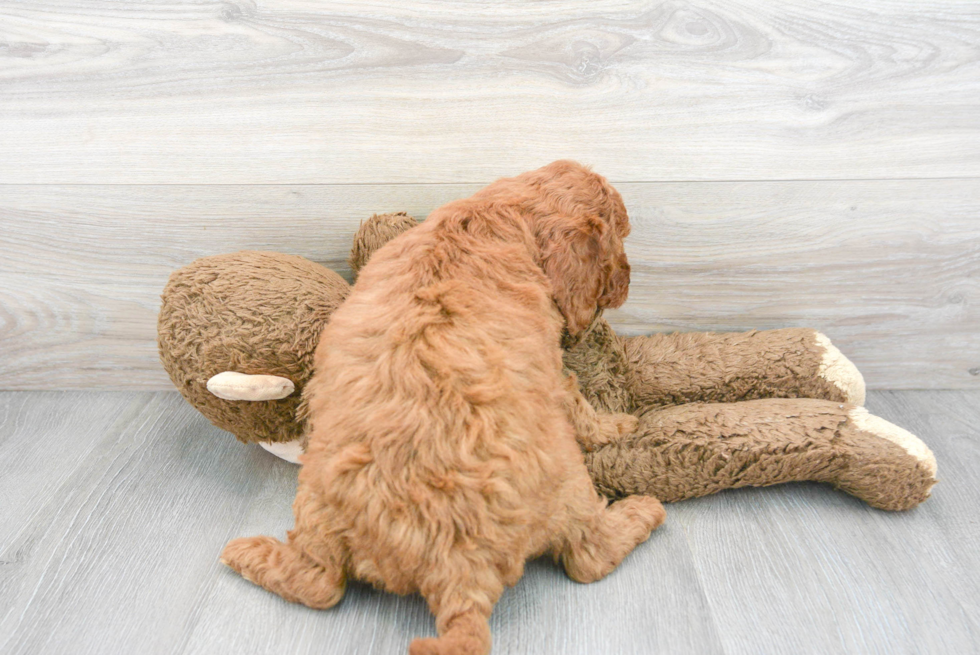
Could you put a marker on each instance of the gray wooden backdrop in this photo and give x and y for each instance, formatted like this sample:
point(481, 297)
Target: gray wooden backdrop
point(792, 163)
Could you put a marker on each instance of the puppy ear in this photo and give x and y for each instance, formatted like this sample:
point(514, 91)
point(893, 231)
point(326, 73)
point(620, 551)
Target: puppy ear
point(618, 285)
point(374, 233)
point(572, 260)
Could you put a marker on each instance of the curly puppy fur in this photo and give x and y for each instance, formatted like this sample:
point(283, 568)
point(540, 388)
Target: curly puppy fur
point(442, 448)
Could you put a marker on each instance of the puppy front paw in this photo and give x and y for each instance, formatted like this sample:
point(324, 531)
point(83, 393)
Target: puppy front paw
point(606, 429)
point(646, 511)
point(614, 426)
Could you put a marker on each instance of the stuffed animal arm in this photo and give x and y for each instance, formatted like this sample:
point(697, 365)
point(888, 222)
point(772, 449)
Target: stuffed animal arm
point(733, 366)
point(710, 411)
point(633, 373)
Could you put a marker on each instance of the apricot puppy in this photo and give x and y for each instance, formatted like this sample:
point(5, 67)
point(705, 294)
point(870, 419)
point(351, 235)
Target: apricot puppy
point(443, 449)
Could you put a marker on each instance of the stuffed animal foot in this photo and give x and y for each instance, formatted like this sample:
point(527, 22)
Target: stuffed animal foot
point(869, 475)
point(839, 371)
point(697, 449)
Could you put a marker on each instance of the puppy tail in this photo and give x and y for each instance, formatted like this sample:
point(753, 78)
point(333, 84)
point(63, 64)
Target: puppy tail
point(467, 632)
point(286, 570)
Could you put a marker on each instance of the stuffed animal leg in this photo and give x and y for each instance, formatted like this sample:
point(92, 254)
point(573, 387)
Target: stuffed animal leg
point(695, 449)
point(634, 373)
point(795, 428)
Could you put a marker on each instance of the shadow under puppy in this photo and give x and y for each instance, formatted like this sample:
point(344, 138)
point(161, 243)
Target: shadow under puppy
point(442, 451)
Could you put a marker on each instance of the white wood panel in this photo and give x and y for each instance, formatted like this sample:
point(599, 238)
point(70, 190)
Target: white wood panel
point(300, 91)
point(889, 269)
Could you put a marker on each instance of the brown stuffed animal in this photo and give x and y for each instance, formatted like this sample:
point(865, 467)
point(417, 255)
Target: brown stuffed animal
point(716, 411)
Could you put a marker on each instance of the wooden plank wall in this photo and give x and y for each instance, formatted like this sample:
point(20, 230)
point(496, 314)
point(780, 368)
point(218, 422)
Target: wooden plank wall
point(784, 164)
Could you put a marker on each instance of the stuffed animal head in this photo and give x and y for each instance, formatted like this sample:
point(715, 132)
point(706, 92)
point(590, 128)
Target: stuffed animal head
point(237, 332)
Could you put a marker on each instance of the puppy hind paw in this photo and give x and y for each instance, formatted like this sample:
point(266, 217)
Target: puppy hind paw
point(285, 570)
point(439, 646)
point(247, 555)
point(624, 525)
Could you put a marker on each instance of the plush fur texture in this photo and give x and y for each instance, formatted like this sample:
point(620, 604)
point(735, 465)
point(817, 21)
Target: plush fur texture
point(712, 417)
point(376, 232)
point(720, 411)
point(633, 374)
point(696, 449)
point(249, 312)
point(442, 451)
point(641, 375)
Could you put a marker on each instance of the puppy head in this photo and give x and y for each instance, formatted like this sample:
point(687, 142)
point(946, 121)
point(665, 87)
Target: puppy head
point(581, 224)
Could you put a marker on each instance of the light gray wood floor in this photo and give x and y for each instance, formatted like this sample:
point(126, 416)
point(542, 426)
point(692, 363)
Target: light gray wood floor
point(114, 507)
